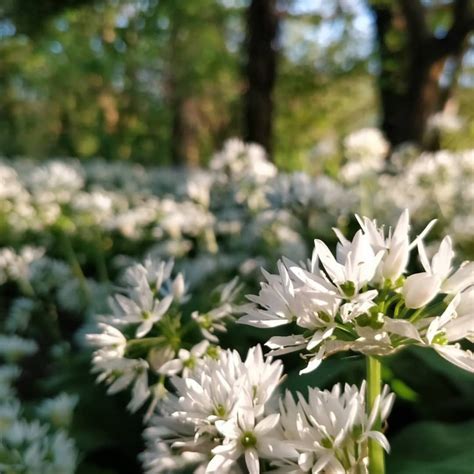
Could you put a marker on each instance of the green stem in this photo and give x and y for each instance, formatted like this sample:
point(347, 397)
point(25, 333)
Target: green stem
point(71, 257)
point(397, 309)
point(138, 347)
point(101, 263)
point(374, 386)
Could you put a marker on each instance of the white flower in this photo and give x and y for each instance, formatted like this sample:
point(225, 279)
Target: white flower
point(221, 389)
point(58, 410)
point(119, 373)
point(356, 301)
point(13, 347)
point(186, 361)
point(213, 391)
point(110, 339)
point(440, 332)
point(420, 288)
point(143, 307)
point(331, 429)
point(277, 302)
point(448, 328)
point(460, 280)
point(159, 458)
point(244, 436)
point(355, 266)
point(262, 377)
point(215, 320)
point(159, 356)
point(397, 245)
point(29, 444)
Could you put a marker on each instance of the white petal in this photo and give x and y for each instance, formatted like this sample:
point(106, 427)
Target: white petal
point(140, 392)
point(171, 367)
point(321, 463)
point(402, 328)
point(200, 349)
point(276, 342)
point(380, 438)
point(144, 328)
point(457, 356)
point(228, 428)
point(400, 233)
point(461, 279)
point(318, 337)
point(252, 462)
point(441, 263)
point(460, 328)
point(262, 322)
point(216, 464)
point(422, 235)
point(419, 289)
point(163, 305)
point(396, 261)
point(277, 449)
point(314, 363)
point(246, 417)
point(267, 424)
point(334, 269)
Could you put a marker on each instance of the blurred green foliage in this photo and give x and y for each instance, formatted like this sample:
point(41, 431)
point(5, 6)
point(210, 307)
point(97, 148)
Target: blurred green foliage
point(88, 78)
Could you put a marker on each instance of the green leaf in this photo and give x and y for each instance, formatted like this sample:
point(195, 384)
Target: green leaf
point(433, 448)
point(343, 369)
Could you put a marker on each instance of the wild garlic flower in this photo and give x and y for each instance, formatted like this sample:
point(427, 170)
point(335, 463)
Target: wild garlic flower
point(243, 436)
point(30, 447)
point(115, 369)
point(220, 410)
point(215, 320)
point(365, 151)
point(58, 410)
point(330, 430)
point(119, 373)
point(13, 348)
point(142, 307)
point(361, 299)
point(143, 341)
point(186, 360)
point(224, 415)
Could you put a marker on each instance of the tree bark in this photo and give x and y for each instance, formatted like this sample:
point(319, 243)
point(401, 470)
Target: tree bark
point(184, 149)
point(262, 30)
point(412, 60)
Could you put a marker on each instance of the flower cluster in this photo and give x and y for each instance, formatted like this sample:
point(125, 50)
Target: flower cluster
point(142, 341)
point(32, 444)
point(226, 411)
point(362, 299)
point(365, 151)
point(383, 290)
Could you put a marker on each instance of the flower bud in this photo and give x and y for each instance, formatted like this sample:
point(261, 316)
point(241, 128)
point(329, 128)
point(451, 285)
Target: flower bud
point(419, 289)
point(466, 303)
point(395, 261)
point(460, 280)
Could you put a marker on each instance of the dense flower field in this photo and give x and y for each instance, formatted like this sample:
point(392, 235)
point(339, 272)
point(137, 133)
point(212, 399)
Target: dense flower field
point(150, 268)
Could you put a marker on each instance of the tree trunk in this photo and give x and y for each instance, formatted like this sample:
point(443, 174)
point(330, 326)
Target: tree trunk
point(262, 28)
point(184, 149)
point(411, 63)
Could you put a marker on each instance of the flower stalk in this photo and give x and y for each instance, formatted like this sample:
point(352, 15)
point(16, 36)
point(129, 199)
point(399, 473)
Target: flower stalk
point(374, 385)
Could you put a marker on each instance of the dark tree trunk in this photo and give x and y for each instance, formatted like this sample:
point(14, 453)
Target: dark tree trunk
point(411, 63)
point(183, 139)
point(184, 148)
point(262, 29)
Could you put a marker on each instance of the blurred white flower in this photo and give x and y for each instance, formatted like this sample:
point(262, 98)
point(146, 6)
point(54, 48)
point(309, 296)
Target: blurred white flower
point(14, 348)
point(58, 410)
